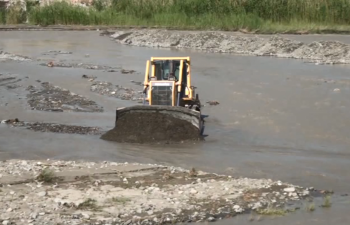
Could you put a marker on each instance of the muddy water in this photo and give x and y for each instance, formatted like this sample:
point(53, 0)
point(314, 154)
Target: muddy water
point(277, 118)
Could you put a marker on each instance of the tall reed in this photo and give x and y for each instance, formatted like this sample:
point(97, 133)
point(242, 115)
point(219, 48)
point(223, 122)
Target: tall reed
point(219, 14)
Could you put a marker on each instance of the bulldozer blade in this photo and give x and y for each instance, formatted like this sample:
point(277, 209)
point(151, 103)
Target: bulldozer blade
point(147, 124)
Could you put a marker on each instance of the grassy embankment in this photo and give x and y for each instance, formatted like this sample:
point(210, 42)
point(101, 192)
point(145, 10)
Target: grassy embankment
point(252, 15)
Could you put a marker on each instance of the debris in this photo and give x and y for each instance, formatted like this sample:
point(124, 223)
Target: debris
point(117, 91)
point(213, 102)
point(127, 71)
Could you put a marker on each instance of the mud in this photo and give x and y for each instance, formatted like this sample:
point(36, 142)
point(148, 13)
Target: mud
point(57, 52)
point(116, 91)
point(53, 98)
point(57, 192)
point(320, 52)
point(9, 81)
point(141, 128)
point(53, 127)
point(80, 65)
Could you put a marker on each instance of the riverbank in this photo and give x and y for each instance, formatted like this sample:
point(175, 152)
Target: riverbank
point(264, 17)
point(280, 29)
point(318, 52)
point(36, 192)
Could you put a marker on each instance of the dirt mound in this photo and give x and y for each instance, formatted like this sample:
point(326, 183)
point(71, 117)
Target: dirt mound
point(138, 127)
point(322, 52)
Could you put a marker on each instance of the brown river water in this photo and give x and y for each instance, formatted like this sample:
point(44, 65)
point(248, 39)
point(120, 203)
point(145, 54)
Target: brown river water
point(277, 118)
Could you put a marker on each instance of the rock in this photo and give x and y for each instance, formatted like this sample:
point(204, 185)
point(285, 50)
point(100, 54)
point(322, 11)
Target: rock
point(150, 212)
point(5, 222)
point(33, 216)
point(256, 205)
point(193, 191)
point(41, 213)
point(238, 208)
point(42, 193)
point(85, 215)
point(9, 210)
point(211, 219)
point(290, 189)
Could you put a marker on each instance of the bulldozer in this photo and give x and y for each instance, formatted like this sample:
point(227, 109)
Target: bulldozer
point(170, 110)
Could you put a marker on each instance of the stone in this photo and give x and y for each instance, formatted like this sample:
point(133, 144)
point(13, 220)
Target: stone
point(33, 216)
point(211, 219)
point(305, 193)
point(42, 193)
point(256, 205)
point(290, 189)
point(193, 191)
point(5, 222)
point(85, 215)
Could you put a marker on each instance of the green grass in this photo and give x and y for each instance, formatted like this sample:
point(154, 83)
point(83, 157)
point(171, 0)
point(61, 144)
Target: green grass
point(89, 204)
point(326, 202)
point(258, 15)
point(119, 200)
point(272, 212)
point(311, 207)
point(47, 176)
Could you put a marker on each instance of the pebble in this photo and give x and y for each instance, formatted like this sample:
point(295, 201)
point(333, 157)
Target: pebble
point(211, 219)
point(42, 193)
point(290, 189)
point(85, 215)
point(33, 215)
point(193, 191)
point(5, 222)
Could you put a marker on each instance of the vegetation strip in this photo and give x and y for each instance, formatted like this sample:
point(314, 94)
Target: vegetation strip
point(263, 16)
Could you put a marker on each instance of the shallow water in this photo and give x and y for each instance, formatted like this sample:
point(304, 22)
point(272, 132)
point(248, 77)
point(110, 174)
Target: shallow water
point(277, 118)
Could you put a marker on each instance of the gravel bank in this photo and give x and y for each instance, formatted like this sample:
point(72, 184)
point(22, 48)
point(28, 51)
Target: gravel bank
point(323, 52)
point(53, 98)
point(67, 192)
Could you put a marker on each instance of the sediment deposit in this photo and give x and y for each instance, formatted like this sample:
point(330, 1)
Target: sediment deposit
point(320, 52)
point(70, 192)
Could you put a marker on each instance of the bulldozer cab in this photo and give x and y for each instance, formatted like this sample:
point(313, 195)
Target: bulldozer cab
point(168, 69)
point(168, 81)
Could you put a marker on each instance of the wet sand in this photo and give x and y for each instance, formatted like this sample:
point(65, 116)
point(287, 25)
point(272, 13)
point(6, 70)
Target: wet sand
point(277, 118)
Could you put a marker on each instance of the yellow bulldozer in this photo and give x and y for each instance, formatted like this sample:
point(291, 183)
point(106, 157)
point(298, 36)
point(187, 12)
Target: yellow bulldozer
point(171, 109)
